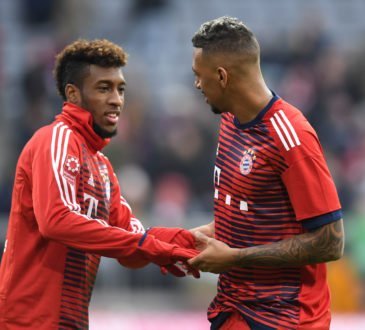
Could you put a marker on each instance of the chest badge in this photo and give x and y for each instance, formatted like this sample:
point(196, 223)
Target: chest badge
point(71, 168)
point(72, 165)
point(247, 161)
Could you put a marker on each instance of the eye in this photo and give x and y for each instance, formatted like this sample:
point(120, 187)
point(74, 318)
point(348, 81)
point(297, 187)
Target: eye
point(121, 89)
point(103, 88)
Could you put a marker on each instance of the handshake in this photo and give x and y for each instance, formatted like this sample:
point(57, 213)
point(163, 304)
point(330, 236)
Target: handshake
point(175, 250)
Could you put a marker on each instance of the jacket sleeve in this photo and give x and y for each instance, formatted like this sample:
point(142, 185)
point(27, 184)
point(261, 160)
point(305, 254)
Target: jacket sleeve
point(55, 164)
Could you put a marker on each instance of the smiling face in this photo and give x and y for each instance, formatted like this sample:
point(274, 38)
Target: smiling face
point(102, 94)
point(209, 79)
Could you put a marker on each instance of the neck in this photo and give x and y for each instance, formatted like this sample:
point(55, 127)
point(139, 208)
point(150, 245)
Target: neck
point(249, 99)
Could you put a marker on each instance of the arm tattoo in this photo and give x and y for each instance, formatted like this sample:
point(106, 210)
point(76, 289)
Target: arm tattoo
point(322, 245)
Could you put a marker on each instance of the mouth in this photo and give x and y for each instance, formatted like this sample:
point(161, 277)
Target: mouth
point(205, 98)
point(112, 117)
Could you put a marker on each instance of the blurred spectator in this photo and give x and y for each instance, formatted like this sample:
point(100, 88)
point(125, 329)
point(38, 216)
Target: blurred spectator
point(136, 188)
point(35, 12)
point(172, 198)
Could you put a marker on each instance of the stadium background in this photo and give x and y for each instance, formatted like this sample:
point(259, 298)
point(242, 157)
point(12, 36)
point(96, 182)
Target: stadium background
point(312, 55)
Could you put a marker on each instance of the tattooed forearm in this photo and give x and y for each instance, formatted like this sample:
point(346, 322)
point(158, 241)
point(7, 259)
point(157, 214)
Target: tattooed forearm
point(322, 245)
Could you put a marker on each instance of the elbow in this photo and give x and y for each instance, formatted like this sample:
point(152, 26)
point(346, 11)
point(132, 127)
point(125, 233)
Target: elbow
point(339, 252)
point(332, 241)
point(48, 229)
point(45, 231)
point(53, 226)
point(336, 250)
point(339, 243)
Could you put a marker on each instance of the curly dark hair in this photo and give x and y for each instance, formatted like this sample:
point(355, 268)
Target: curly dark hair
point(226, 34)
point(73, 61)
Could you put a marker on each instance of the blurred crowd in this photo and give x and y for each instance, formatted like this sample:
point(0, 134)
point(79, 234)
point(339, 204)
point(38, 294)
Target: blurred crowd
point(165, 149)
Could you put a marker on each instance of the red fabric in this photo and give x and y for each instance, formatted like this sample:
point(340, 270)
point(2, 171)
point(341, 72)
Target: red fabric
point(179, 236)
point(235, 321)
point(182, 237)
point(82, 121)
point(312, 193)
point(133, 262)
point(66, 212)
point(315, 310)
point(315, 189)
point(307, 179)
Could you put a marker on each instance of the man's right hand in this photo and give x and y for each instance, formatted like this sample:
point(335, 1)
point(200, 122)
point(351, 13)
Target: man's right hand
point(217, 257)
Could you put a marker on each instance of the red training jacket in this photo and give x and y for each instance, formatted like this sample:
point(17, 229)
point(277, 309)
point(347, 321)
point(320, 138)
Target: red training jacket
point(66, 212)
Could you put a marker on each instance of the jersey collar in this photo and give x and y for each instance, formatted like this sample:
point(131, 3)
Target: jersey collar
point(260, 115)
point(82, 121)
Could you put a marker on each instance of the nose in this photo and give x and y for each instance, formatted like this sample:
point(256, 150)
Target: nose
point(116, 98)
point(197, 83)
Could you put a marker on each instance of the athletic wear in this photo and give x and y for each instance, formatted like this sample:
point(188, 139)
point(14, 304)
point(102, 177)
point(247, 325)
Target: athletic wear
point(66, 212)
point(271, 183)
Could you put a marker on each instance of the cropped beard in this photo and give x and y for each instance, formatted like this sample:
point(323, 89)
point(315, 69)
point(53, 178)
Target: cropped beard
point(215, 110)
point(102, 132)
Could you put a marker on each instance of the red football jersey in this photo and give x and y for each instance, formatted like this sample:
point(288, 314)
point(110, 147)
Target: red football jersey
point(271, 183)
point(66, 212)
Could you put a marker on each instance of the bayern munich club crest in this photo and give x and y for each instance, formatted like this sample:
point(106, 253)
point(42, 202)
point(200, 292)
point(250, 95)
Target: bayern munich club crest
point(247, 161)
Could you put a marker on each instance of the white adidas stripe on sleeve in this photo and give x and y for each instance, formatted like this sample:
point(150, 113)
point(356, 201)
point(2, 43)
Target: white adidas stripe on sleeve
point(55, 155)
point(279, 133)
point(291, 128)
point(59, 146)
point(125, 203)
point(59, 153)
point(285, 130)
point(137, 226)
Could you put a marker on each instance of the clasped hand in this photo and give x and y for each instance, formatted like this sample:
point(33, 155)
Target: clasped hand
point(215, 257)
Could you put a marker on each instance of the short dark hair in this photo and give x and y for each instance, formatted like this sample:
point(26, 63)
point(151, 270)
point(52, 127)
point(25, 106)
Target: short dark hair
point(226, 34)
point(73, 61)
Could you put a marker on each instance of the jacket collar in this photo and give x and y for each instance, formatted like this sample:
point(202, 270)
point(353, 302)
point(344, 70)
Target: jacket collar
point(82, 121)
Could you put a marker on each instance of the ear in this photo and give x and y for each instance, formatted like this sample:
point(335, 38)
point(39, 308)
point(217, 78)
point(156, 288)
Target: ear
point(222, 76)
point(73, 94)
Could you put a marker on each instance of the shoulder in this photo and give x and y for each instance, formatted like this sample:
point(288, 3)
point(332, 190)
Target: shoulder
point(294, 136)
point(289, 127)
point(55, 129)
point(56, 136)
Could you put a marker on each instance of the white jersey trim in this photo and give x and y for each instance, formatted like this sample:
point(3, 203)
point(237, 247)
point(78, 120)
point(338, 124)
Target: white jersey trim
point(59, 148)
point(137, 226)
point(56, 155)
point(285, 130)
point(125, 203)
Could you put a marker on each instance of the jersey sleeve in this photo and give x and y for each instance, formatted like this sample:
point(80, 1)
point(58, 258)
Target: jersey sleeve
point(54, 168)
point(306, 176)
